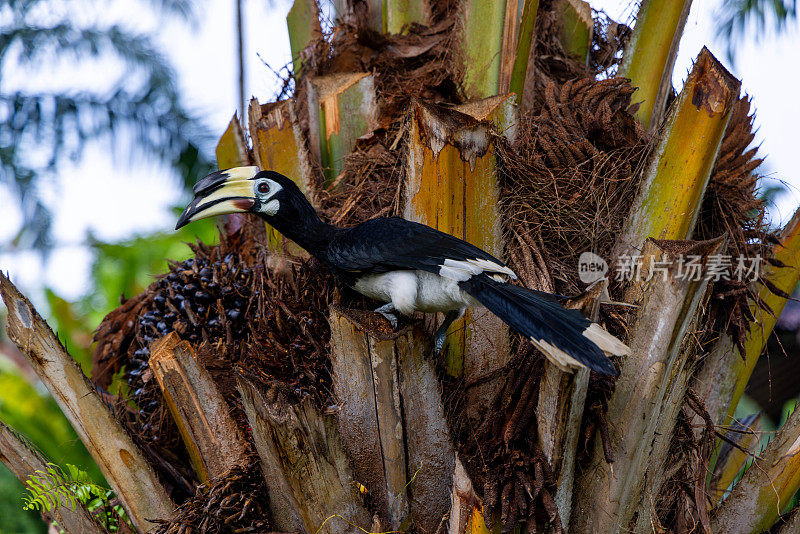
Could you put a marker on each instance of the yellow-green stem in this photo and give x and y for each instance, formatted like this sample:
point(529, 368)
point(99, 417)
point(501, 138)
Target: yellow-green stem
point(482, 43)
point(278, 145)
point(452, 186)
point(525, 38)
point(399, 13)
point(758, 498)
point(576, 28)
point(231, 149)
point(303, 24)
point(342, 108)
point(649, 57)
point(785, 279)
point(675, 180)
point(746, 438)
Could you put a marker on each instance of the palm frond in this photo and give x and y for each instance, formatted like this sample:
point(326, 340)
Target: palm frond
point(738, 17)
point(54, 487)
point(141, 110)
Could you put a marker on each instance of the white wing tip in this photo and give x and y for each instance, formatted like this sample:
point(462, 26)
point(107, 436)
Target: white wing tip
point(560, 359)
point(464, 269)
point(607, 343)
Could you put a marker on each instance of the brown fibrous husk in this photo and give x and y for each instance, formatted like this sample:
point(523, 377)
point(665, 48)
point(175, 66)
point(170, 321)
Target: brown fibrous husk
point(234, 502)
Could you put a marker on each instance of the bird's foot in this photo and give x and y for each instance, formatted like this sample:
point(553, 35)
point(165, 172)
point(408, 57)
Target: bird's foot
point(438, 343)
point(389, 313)
point(441, 333)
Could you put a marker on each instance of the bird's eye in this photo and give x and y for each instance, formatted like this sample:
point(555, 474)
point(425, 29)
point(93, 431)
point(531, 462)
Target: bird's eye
point(263, 188)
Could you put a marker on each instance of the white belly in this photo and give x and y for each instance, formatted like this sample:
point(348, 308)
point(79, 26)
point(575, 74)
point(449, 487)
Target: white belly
point(412, 291)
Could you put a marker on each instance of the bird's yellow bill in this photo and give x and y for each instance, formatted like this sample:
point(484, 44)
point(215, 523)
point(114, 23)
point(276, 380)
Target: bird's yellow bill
point(228, 191)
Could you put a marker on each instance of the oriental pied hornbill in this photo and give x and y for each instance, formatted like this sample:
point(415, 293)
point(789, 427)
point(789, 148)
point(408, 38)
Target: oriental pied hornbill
point(410, 266)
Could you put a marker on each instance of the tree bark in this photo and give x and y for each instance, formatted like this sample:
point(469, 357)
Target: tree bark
point(120, 460)
point(212, 438)
point(308, 476)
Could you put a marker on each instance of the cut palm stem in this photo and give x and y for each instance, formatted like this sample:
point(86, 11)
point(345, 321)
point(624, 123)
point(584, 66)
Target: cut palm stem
point(576, 28)
point(651, 382)
point(120, 460)
point(342, 107)
point(303, 24)
point(399, 437)
point(211, 436)
point(725, 373)
point(649, 56)
point(451, 185)
point(308, 477)
point(400, 13)
point(279, 145)
point(674, 182)
point(482, 46)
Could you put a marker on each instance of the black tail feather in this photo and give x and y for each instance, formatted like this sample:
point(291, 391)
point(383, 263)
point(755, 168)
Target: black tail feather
point(547, 323)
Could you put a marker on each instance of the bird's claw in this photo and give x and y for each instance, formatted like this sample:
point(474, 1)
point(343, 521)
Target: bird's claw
point(438, 344)
point(392, 318)
point(441, 333)
point(389, 314)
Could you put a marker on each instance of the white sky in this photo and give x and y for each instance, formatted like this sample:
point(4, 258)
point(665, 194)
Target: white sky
point(118, 198)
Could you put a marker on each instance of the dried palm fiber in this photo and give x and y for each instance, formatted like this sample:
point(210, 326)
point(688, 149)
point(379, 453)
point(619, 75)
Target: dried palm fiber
point(609, 38)
point(569, 178)
point(235, 502)
point(683, 496)
point(732, 208)
point(418, 64)
point(370, 184)
point(553, 64)
point(501, 454)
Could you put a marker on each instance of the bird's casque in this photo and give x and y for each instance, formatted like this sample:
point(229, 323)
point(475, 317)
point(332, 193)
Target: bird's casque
point(409, 266)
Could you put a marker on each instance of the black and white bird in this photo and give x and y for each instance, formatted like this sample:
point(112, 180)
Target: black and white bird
point(410, 266)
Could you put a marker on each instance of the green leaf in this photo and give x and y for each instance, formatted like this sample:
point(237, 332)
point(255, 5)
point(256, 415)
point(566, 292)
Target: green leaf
point(53, 488)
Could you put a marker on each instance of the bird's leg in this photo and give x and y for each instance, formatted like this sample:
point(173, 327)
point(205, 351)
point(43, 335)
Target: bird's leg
point(441, 332)
point(389, 312)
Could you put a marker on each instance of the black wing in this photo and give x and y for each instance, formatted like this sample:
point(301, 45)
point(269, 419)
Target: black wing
point(391, 243)
point(565, 336)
